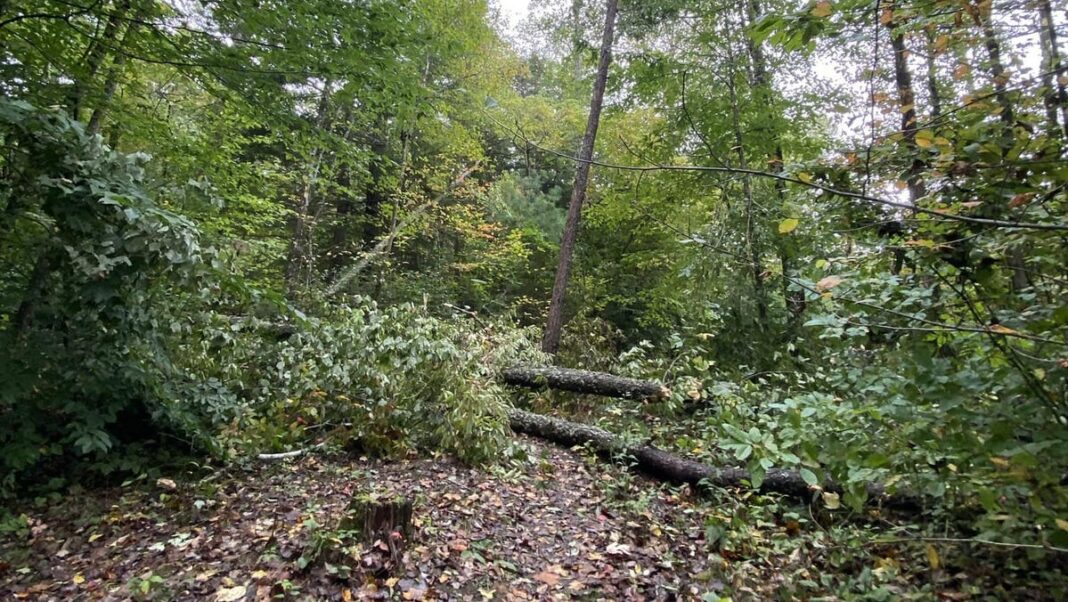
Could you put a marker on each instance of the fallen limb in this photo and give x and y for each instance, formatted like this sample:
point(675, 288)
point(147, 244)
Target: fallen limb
point(677, 469)
point(290, 454)
point(583, 381)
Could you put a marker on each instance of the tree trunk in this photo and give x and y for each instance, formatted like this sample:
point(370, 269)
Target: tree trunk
point(933, 91)
point(1056, 97)
point(298, 259)
point(997, 74)
point(677, 469)
point(907, 104)
point(582, 381)
point(794, 301)
point(755, 263)
point(118, 66)
point(551, 340)
point(95, 55)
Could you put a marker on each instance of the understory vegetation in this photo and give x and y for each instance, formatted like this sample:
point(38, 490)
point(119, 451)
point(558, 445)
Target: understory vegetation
point(836, 231)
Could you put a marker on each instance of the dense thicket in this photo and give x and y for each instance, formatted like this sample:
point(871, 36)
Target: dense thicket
point(835, 229)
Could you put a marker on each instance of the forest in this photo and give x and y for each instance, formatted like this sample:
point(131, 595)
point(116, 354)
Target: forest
point(533, 300)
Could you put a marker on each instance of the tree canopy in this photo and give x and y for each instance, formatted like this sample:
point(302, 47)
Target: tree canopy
point(834, 229)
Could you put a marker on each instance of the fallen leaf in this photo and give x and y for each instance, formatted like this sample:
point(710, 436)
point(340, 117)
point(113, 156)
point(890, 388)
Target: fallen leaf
point(230, 594)
point(547, 578)
point(167, 484)
point(932, 557)
point(78, 579)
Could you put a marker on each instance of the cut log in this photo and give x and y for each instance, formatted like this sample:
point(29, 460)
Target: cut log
point(677, 469)
point(582, 381)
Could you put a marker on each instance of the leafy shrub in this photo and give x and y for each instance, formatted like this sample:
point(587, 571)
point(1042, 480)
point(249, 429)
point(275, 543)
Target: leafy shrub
point(90, 264)
point(118, 329)
point(386, 379)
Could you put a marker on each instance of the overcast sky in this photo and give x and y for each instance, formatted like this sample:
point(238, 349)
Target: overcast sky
point(512, 10)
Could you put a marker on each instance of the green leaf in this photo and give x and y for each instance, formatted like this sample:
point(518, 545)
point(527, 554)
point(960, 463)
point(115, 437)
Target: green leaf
point(788, 225)
point(809, 477)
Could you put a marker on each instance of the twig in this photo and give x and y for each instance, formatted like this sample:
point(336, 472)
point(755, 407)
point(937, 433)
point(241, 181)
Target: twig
point(290, 454)
point(964, 540)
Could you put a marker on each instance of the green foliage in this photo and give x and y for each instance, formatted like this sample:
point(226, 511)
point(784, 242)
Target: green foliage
point(91, 263)
point(386, 380)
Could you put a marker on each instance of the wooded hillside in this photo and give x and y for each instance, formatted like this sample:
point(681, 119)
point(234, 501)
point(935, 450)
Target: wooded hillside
point(804, 259)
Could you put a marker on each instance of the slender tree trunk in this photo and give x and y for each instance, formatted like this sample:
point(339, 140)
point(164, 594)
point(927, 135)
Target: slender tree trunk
point(375, 195)
point(298, 259)
point(95, 55)
point(118, 66)
point(998, 75)
point(793, 301)
point(907, 103)
point(755, 263)
point(1056, 97)
point(551, 340)
point(1015, 257)
point(576, 38)
point(933, 91)
point(32, 297)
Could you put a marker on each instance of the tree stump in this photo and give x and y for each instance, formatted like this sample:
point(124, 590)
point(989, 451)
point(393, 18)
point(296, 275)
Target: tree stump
point(384, 525)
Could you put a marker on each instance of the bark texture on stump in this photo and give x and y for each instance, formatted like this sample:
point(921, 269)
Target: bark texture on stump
point(384, 525)
point(582, 381)
point(676, 469)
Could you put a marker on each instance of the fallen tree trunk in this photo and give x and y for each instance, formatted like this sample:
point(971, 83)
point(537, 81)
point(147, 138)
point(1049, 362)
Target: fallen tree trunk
point(582, 381)
point(677, 469)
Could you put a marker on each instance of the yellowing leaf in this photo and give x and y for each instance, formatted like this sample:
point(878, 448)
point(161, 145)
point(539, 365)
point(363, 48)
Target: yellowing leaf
point(961, 71)
point(80, 579)
point(827, 283)
point(999, 462)
point(932, 557)
point(788, 225)
point(230, 594)
point(998, 328)
point(822, 9)
point(805, 177)
point(831, 500)
point(1063, 524)
point(94, 537)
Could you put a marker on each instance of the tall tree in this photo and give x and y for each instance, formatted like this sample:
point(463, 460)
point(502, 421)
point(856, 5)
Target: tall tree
point(551, 340)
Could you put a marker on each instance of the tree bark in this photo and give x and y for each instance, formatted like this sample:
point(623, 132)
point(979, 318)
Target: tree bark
point(793, 301)
point(95, 55)
point(118, 66)
point(582, 381)
point(299, 259)
point(1056, 97)
point(677, 469)
point(551, 340)
point(933, 91)
point(756, 268)
point(907, 103)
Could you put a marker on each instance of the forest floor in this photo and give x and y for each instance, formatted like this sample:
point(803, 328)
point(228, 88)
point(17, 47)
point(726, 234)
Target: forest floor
point(557, 525)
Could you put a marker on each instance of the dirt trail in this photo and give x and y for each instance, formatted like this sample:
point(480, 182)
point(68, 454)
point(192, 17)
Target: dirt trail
point(549, 528)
